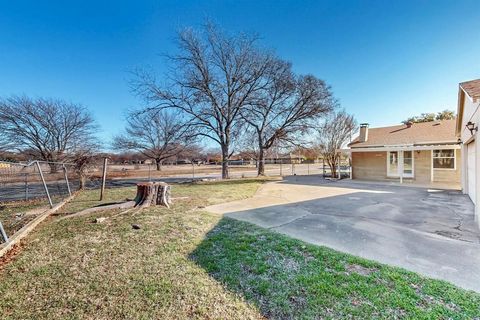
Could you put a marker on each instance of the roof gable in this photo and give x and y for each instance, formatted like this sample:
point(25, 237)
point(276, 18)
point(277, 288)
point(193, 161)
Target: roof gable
point(472, 88)
point(435, 132)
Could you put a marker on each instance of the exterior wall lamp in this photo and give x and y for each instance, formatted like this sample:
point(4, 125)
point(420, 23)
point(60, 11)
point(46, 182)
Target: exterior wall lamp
point(471, 126)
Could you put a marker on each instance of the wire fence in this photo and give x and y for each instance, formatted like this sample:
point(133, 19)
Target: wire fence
point(237, 169)
point(29, 189)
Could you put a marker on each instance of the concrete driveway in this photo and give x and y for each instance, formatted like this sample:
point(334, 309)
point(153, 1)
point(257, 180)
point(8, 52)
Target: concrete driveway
point(429, 231)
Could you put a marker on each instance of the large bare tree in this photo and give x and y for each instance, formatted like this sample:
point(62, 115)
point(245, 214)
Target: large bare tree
point(4, 144)
point(157, 134)
point(286, 109)
point(45, 128)
point(212, 76)
point(333, 133)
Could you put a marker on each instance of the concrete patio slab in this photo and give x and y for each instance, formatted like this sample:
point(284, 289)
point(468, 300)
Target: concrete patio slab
point(430, 231)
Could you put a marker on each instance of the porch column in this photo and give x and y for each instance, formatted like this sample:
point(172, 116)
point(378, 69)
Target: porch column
point(431, 166)
point(400, 165)
point(350, 157)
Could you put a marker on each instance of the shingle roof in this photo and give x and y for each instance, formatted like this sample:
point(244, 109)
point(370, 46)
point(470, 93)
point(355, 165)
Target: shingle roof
point(436, 132)
point(472, 88)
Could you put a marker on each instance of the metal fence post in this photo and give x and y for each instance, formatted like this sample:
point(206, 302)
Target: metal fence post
point(66, 180)
point(44, 184)
point(104, 177)
point(3, 233)
point(26, 186)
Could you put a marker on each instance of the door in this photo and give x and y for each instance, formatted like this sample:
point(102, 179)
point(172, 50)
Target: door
point(398, 161)
point(471, 170)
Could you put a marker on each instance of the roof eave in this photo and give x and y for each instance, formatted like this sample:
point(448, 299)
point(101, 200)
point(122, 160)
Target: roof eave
point(416, 144)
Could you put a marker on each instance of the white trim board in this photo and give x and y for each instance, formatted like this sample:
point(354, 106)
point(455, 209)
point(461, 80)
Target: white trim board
point(401, 148)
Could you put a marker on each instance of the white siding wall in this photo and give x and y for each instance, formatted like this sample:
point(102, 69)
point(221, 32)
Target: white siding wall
point(471, 112)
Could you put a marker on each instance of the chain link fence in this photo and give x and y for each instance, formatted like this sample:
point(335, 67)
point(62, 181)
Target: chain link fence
point(121, 174)
point(29, 189)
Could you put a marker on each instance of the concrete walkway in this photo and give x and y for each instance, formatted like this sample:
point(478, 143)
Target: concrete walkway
point(429, 231)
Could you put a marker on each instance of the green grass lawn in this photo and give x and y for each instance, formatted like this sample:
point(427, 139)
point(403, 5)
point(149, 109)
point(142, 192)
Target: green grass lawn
point(185, 263)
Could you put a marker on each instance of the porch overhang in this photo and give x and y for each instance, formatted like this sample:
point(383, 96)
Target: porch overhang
point(401, 148)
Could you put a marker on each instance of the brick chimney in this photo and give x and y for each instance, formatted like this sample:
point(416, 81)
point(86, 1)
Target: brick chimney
point(363, 132)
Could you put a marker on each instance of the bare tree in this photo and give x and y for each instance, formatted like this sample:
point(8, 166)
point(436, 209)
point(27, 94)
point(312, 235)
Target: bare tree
point(333, 133)
point(212, 77)
point(286, 109)
point(156, 134)
point(84, 160)
point(50, 129)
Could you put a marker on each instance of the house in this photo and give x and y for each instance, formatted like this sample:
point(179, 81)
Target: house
point(287, 158)
point(468, 118)
point(421, 153)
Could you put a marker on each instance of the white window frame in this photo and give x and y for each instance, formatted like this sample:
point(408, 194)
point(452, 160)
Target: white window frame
point(454, 159)
point(400, 159)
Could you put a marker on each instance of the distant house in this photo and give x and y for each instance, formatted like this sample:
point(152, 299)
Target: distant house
point(468, 119)
point(287, 158)
point(420, 153)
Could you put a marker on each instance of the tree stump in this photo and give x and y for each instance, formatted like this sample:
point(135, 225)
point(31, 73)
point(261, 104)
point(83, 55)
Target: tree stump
point(152, 193)
point(148, 194)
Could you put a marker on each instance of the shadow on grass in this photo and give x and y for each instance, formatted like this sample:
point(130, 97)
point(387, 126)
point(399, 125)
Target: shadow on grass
point(287, 278)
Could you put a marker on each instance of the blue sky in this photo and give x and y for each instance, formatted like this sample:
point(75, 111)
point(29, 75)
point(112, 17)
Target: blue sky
point(385, 60)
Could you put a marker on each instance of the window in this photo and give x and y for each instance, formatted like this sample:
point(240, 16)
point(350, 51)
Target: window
point(408, 163)
point(444, 159)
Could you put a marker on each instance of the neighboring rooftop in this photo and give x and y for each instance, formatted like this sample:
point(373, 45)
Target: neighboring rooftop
point(424, 133)
point(472, 88)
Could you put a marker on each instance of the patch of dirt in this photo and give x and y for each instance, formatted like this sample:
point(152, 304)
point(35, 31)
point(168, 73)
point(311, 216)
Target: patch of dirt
point(298, 301)
point(284, 263)
point(11, 254)
point(36, 211)
point(358, 269)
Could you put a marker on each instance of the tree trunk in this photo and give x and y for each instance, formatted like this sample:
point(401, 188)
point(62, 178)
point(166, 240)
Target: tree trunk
point(53, 167)
point(82, 179)
point(261, 162)
point(333, 167)
point(158, 163)
point(152, 193)
point(148, 194)
point(225, 162)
